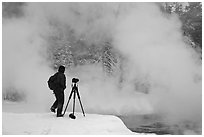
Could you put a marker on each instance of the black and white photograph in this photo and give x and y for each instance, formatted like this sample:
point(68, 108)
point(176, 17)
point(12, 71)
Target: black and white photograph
point(101, 68)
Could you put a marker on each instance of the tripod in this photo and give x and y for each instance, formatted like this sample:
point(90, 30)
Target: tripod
point(76, 92)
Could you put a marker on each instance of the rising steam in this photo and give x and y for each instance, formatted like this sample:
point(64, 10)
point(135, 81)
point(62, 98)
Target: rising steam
point(150, 41)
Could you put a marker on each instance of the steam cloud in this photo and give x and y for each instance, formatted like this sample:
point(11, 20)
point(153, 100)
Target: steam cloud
point(151, 42)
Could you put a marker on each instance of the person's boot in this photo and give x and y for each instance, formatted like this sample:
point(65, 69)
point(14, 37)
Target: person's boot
point(52, 109)
point(60, 115)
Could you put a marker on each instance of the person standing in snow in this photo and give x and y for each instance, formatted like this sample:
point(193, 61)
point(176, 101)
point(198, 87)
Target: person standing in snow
point(59, 91)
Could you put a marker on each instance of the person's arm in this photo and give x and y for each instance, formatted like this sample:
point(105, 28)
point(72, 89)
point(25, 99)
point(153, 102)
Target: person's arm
point(64, 82)
point(61, 81)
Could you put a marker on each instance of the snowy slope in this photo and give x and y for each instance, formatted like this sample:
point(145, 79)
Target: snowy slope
point(47, 123)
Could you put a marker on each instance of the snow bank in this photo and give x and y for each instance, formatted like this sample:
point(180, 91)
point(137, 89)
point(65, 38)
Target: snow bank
point(47, 123)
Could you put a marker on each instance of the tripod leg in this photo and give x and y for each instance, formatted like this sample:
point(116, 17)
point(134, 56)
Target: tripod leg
point(74, 101)
point(80, 102)
point(68, 101)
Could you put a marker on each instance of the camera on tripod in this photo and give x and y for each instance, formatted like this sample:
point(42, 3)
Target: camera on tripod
point(75, 80)
point(74, 92)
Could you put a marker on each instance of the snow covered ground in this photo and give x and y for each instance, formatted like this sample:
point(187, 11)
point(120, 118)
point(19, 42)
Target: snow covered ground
point(21, 118)
point(48, 123)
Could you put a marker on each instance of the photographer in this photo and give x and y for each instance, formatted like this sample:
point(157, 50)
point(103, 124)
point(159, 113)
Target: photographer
point(59, 91)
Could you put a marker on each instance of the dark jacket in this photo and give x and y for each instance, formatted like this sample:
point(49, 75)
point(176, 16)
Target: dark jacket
point(60, 81)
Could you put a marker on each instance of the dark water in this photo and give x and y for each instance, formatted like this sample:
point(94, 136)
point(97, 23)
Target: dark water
point(146, 124)
point(156, 125)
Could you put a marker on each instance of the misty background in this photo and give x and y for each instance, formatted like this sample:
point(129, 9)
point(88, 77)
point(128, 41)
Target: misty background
point(131, 58)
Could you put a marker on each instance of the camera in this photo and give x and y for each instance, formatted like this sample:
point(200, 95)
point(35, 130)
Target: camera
point(75, 80)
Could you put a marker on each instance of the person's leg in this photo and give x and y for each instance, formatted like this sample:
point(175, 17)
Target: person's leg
point(60, 103)
point(54, 106)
